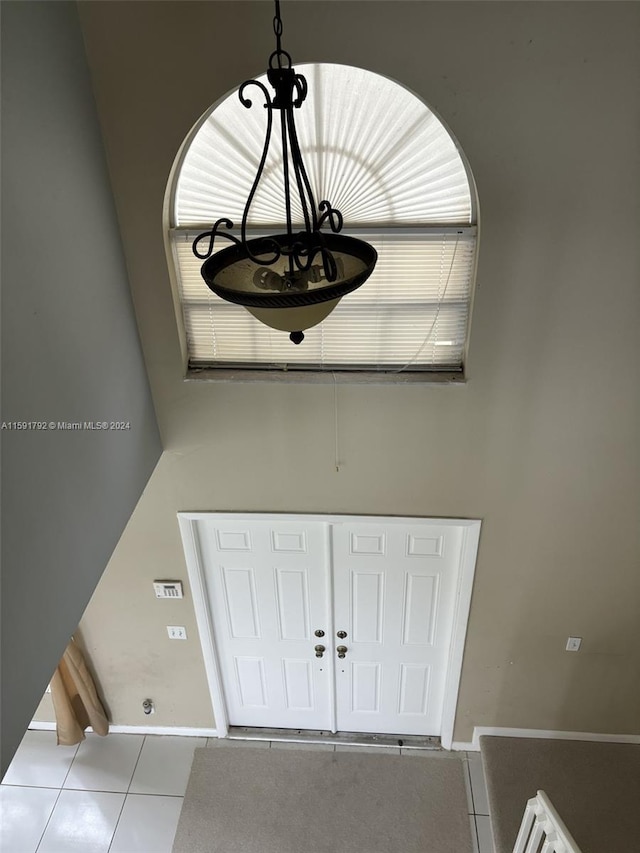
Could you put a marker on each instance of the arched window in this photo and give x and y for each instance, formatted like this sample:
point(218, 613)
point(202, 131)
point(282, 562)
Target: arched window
point(394, 171)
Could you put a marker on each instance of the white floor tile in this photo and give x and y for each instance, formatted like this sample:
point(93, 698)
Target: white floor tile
point(82, 822)
point(24, 813)
point(147, 825)
point(222, 741)
point(105, 763)
point(484, 834)
point(474, 834)
point(164, 765)
point(40, 761)
point(478, 786)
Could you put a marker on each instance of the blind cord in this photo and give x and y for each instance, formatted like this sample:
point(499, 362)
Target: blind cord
point(435, 319)
point(335, 411)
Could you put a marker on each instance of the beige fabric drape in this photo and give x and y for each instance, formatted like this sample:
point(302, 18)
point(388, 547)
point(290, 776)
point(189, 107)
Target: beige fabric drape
point(75, 700)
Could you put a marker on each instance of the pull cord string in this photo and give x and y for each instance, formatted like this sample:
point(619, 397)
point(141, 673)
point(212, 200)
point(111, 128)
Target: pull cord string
point(335, 410)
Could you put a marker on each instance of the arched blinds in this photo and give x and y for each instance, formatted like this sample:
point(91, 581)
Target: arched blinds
point(387, 162)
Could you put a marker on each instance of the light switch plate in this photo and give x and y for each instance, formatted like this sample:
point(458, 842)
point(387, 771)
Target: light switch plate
point(573, 644)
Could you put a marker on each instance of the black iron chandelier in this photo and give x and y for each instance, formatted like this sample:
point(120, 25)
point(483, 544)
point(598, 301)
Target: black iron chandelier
point(289, 281)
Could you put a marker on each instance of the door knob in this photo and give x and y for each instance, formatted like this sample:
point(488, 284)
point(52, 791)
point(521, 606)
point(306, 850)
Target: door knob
point(342, 651)
point(319, 633)
point(341, 634)
point(319, 651)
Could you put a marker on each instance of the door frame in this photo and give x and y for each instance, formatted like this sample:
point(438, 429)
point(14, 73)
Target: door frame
point(464, 587)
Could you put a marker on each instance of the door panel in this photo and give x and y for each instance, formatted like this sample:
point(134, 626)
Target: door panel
point(394, 589)
point(267, 590)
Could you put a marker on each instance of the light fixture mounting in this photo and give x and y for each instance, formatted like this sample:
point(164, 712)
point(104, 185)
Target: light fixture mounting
point(288, 281)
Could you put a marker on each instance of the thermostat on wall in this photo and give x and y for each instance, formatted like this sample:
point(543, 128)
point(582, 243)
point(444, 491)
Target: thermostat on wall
point(168, 589)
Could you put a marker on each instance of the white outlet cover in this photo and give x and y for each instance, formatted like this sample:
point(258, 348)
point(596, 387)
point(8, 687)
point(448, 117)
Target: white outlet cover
point(177, 632)
point(573, 644)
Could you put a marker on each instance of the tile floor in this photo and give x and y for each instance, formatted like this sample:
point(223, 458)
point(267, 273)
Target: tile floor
point(123, 793)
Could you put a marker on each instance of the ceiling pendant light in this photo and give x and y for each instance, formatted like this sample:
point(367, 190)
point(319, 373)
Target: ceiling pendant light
point(289, 281)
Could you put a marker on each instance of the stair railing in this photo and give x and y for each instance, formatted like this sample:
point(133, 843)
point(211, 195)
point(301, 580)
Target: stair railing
point(542, 829)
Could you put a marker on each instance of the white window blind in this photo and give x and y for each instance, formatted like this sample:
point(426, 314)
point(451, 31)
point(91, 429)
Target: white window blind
point(412, 312)
point(378, 153)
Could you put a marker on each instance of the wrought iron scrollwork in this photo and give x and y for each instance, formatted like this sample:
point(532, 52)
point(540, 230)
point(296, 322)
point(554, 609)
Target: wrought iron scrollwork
point(332, 214)
point(212, 234)
point(302, 247)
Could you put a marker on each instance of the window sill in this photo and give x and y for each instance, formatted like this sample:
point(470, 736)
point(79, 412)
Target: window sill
point(208, 374)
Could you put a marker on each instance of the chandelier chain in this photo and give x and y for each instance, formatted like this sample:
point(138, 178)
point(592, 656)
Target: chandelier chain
point(277, 29)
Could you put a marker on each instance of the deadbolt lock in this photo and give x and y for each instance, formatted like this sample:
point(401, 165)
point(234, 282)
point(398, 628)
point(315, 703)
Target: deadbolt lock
point(341, 634)
point(319, 651)
point(342, 651)
point(319, 633)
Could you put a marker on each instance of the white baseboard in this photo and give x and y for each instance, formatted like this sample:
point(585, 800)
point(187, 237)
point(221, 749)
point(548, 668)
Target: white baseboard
point(183, 731)
point(549, 735)
point(458, 746)
point(462, 746)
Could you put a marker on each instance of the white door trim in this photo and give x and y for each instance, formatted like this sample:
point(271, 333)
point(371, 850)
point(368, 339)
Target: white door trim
point(470, 543)
point(195, 569)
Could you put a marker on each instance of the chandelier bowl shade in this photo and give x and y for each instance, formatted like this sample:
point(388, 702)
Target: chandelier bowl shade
point(233, 276)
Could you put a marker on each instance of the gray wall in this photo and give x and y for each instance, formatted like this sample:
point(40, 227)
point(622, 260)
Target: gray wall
point(70, 353)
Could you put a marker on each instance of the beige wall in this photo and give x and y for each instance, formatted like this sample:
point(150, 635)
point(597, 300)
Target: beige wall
point(541, 443)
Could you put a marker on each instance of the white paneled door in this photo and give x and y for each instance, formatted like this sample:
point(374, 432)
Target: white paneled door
point(330, 625)
point(267, 591)
point(394, 590)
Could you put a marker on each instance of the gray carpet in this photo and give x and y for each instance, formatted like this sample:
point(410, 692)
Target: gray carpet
point(595, 787)
point(296, 801)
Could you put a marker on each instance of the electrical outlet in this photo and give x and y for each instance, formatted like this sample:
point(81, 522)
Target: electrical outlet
point(177, 632)
point(573, 644)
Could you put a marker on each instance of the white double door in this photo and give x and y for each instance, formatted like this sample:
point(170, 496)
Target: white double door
point(331, 626)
